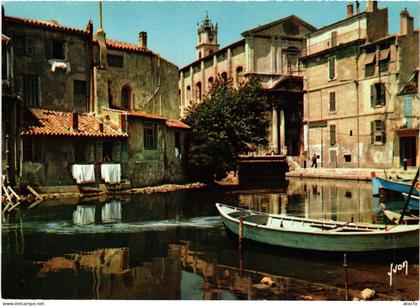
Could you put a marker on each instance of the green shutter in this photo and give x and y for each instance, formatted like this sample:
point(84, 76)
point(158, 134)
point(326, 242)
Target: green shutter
point(383, 131)
point(382, 94)
point(372, 132)
point(372, 95)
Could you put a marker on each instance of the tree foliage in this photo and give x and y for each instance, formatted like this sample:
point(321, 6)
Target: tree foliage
point(229, 121)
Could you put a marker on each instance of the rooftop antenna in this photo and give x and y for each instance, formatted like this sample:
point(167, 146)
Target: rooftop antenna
point(100, 14)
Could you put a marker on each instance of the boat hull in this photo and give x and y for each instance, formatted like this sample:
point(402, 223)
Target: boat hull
point(413, 203)
point(393, 186)
point(354, 242)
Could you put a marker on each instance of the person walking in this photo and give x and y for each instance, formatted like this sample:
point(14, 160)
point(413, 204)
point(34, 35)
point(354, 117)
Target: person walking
point(314, 162)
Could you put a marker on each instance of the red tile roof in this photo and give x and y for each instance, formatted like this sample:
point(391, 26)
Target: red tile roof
point(171, 123)
point(53, 123)
point(119, 45)
point(144, 115)
point(39, 23)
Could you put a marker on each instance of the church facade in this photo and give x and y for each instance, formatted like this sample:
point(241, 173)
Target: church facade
point(270, 52)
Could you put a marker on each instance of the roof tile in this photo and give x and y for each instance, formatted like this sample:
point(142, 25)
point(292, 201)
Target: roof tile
point(54, 123)
point(40, 23)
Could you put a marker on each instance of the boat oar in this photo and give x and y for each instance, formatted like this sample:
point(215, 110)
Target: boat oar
point(409, 196)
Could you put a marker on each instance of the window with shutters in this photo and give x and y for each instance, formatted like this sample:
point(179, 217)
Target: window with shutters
point(408, 112)
point(115, 60)
point(377, 94)
point(377, 132)
point(332, 101)
point(333, 139)
point(125, 97)
point(23, 45)
point(150, 135)
point(79, 94)
point(331, 68)
point(30, 90)
point(32, 149)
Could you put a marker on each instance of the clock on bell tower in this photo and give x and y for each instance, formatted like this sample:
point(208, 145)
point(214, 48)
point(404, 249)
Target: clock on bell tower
point(207, 38)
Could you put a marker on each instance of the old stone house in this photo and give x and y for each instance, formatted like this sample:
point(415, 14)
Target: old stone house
point(77, 104)
point(269, 52)
point(354, 71)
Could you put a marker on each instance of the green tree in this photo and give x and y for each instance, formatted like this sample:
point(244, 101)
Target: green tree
point(230, 120)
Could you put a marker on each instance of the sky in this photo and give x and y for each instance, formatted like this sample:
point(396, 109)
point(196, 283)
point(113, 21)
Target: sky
point(172, 25)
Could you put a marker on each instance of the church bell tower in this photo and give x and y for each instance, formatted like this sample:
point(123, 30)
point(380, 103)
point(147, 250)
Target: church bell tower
point(207, 38)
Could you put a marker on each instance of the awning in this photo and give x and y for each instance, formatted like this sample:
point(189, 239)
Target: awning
point(384, 54)
point(407, 132)
point(370, 58)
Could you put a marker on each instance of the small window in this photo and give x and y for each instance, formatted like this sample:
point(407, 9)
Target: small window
point(188, 87)
point(80, 155)
point(351, 133)
point(107, 151)
point(331, 68)
point(198, 91)
point(150, 134)
point(79, 94)
point(348, 194)
point(115, 61)
point(32, 149)
point(377, 94)
point(30, 89)
point(370, 70)
point(347, 158)
point(57, 48)
point(22, 45)
point(125, 97)
point(384, 60)
point(333, 38)
point(332, 101)
point(333, 139)
point(239, 74)
point(377, 132)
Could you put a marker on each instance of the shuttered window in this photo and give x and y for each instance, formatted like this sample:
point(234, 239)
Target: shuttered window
point(30, 89)
point(408, 112)
point(377, 132)
point(333, 139)
point(331, 68)
point(32, 149)
point(377, 94)
point(79, 93)
point(115, 61)
point(332, 101)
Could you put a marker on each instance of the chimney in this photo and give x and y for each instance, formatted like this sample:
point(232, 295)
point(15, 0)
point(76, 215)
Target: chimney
point(123, 122)
point(143, 40)
point(349, 10)
point(101, 127)
point(357, 7)
point(406, 22)
point(75, 121)
point(371, 6)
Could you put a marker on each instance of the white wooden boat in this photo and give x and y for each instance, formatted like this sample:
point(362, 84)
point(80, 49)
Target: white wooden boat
point(395, 217)
point(319, 235)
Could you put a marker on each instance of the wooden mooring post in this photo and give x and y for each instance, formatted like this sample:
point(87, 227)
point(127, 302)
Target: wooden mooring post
point(240, 238)
point(345, 266)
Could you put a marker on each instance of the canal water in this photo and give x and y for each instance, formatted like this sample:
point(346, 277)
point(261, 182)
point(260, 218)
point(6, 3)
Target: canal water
point(174, 246)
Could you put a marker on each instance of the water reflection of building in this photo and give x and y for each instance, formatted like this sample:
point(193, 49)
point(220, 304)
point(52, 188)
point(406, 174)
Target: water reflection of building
point(320, 199)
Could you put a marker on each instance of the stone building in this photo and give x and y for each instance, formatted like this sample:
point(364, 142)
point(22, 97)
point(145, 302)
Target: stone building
point(81, 97)
point(354, 71)
point(269, 52)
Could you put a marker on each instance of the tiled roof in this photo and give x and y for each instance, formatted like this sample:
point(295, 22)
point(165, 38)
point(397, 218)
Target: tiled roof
point(171, 123)
point(144, 115)
point(119, 45)
point(53, 123)
point(52, 25)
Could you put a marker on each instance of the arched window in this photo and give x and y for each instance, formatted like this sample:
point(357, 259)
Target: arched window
point(224, 76)
point(210, 82)
point(125, 96)
point(198, 92)
point(199, 54)
point(239, 73)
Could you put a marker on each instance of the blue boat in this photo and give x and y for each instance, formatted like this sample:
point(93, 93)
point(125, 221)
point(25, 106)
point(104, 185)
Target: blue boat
point(413, 203)
point(399, 187)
